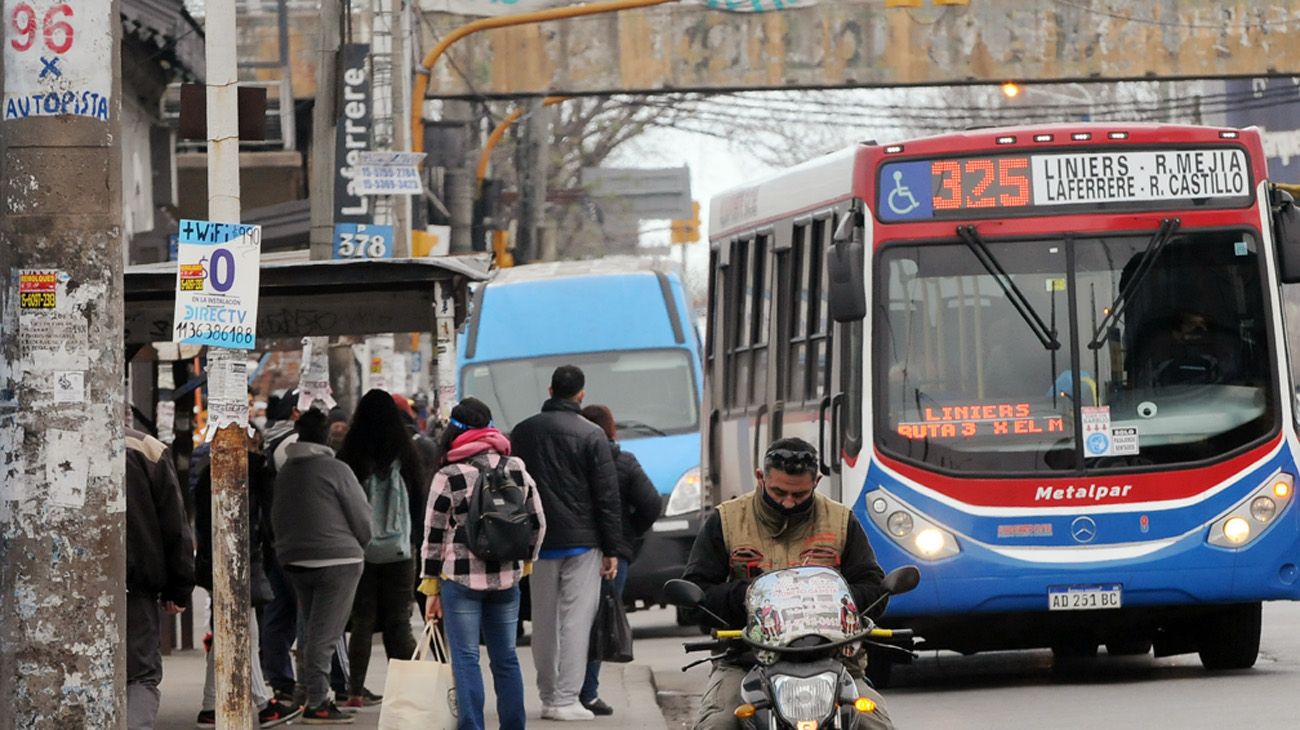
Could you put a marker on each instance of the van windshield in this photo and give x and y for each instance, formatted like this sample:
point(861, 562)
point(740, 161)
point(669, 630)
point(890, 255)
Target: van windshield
point(651, 392)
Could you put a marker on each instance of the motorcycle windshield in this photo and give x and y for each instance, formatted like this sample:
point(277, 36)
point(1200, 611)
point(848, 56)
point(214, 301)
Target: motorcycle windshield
point(789, 604)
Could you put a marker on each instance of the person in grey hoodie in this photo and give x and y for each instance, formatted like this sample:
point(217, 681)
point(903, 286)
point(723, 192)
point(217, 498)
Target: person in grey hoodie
point(321, 521)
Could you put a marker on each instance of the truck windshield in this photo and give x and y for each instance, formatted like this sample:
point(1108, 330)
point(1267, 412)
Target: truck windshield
point(650, 392)
point(1181, 375)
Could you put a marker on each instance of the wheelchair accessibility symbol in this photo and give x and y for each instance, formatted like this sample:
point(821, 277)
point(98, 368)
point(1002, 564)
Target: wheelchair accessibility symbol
point(900, 200)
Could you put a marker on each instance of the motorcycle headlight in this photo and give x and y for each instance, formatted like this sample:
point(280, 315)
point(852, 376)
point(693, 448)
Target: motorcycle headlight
point(805, 699)
point(686, 494)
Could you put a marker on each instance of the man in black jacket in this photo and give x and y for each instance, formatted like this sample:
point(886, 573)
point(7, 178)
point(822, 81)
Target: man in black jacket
point(783, 523)
point(569, 458)
point(159, 568)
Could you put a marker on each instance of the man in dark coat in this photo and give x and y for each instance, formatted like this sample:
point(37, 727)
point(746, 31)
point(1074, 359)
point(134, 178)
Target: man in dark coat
point(569, 457)
point(159, 568)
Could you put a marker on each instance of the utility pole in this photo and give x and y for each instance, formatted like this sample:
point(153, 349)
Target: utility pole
point(458, 180)
point(62, 503)
point(324, 118)
point(230, 570)
point(533, 151)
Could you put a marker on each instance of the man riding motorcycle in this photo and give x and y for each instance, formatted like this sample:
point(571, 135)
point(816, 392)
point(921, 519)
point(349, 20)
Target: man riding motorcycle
point(783, 523)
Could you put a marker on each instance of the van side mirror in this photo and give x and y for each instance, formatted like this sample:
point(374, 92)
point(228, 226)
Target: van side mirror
point(1286, 234)
point(847, 293)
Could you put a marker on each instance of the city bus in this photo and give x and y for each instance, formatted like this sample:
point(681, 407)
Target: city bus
point(628, 324)
point(1046, 364)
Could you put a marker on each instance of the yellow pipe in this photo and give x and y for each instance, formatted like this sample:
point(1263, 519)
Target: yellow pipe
point(422, 75)
point(486, 155)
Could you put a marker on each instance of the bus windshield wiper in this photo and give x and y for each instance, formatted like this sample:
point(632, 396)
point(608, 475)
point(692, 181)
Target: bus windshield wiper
point(1158, 241)
point(639, 426)
point(1045, 335)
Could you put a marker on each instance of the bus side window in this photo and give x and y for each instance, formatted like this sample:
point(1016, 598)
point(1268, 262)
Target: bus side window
point(761, 309)
point(796, 308)
point(818, 371)
point(739, 304)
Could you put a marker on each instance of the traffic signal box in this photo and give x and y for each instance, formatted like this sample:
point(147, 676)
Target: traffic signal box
point(687, 231)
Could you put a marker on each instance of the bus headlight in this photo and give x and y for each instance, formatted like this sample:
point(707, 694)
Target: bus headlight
point(911, 530)
point(686, 494)
point(1248, 519)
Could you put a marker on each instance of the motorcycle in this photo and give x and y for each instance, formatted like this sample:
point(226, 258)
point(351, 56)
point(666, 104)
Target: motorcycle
point(801, 625)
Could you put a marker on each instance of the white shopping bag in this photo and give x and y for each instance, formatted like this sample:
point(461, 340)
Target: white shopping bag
point(420, 694)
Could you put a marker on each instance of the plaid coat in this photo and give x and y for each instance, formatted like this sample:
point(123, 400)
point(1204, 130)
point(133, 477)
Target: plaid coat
point(443, 557)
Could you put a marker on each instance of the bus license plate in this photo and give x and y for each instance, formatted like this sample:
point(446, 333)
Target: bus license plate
point(1084, 598)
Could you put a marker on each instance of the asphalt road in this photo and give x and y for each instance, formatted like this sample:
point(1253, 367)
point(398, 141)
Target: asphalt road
point(1022, 690)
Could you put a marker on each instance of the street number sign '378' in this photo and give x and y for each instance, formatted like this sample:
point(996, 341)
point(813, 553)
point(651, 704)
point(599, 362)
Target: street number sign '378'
point(56, 58)
point(217, 278)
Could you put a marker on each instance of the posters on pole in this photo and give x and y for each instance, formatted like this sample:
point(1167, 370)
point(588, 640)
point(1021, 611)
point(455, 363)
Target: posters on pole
point(50, 323)
point(217, 279)
point(314, 375)
point(227, 389)
point(388, 173)
point(381, 357)
point(55, 58)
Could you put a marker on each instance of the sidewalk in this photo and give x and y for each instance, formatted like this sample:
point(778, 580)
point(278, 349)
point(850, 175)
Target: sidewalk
point(628, 688)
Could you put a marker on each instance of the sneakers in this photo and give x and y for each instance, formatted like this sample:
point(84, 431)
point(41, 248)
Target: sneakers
point(598, 707)
point(568, 713)
point(365, 698)
point(326, 714)
point(277, 713)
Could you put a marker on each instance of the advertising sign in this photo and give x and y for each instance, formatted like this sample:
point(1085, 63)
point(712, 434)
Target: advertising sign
point(1273, 105)
point(217, 277)
point(388, 173)
point(55, 59)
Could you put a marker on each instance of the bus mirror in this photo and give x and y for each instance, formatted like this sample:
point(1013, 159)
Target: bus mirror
point(1286, 233)
point(848, 290)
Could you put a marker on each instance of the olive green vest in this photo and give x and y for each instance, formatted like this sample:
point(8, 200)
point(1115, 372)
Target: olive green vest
point(752, 550)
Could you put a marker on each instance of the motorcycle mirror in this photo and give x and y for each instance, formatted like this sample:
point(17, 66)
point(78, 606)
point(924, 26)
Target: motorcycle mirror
point(901, 580)
point(683, 593)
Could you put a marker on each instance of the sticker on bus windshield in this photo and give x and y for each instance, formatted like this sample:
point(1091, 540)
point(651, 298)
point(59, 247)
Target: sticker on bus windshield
point(1101, 439)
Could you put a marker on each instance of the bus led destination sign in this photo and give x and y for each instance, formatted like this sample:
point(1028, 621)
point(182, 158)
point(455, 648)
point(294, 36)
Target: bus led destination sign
point(999, 184)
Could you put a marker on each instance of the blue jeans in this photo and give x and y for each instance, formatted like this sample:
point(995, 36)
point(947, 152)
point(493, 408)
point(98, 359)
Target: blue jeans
point(494, 614)
point(590, 691)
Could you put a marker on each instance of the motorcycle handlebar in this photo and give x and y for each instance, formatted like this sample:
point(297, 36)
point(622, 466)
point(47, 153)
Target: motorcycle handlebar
point(703, 645)
point(891, 634)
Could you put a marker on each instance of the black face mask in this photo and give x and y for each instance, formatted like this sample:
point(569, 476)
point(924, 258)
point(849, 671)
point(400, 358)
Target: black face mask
point(784, 511)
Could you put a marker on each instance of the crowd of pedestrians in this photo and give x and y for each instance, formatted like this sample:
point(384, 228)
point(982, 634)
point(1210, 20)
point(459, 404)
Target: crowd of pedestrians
point(357, 522)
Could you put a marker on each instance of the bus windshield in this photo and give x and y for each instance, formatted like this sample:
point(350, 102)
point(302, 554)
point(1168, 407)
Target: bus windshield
point(1180, 373)
point(650, 392)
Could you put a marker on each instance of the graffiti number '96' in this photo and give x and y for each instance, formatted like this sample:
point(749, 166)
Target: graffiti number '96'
point(56, 31)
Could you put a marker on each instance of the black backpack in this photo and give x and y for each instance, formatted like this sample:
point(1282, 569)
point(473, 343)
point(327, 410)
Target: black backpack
point(498, 526)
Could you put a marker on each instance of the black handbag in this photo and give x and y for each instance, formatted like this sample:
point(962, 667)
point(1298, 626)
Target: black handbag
point(611, 635)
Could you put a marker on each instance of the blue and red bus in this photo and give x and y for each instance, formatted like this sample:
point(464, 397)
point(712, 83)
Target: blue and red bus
point(1046, 364)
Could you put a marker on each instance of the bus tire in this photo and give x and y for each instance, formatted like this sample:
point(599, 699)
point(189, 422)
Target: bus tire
point(1231, 639)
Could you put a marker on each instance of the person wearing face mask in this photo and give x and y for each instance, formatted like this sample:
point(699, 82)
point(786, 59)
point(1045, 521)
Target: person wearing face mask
point(783, 523)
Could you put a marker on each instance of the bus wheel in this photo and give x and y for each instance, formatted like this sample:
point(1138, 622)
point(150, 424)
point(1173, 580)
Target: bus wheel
point(1230, 640)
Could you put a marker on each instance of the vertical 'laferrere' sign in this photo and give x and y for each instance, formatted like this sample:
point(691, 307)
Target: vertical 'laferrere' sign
point(353, 135)
point(56, 58)
point(217, 279)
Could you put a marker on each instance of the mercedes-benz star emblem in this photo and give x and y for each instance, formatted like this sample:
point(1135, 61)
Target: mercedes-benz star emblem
point(1083, 529)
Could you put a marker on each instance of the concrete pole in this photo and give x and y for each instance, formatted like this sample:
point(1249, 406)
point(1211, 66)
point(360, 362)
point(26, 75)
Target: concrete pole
point(458, 180)
point(62, 551)
point(324, 118)
point(401, 113)
point(532, 156)
point(230, 570)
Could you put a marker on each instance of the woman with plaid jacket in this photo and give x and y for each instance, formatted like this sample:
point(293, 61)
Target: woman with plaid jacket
point(468, 595)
